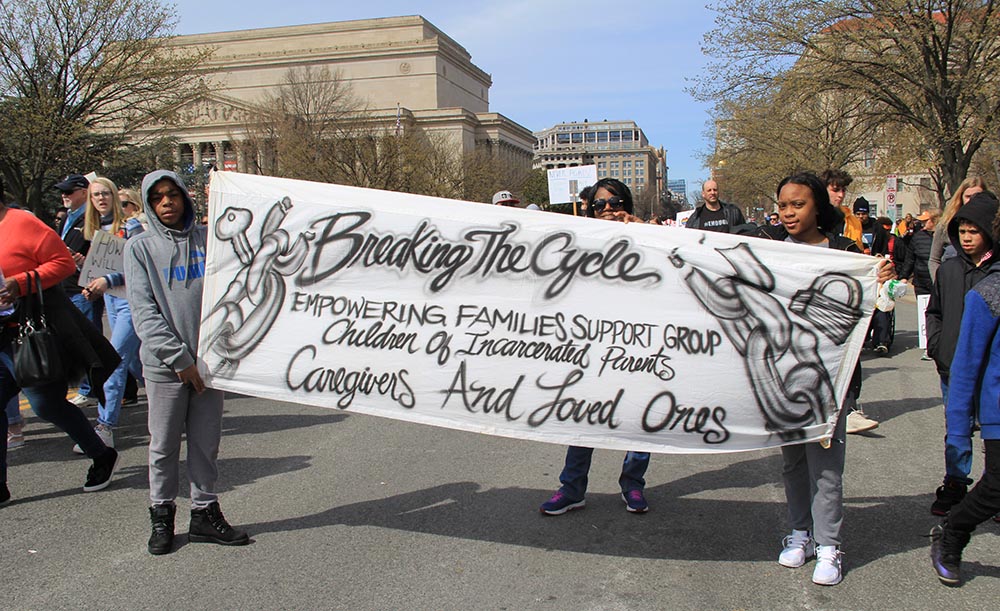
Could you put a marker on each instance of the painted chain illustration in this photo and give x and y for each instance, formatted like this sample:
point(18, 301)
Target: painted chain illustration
point(245, 313)
point(790, 382)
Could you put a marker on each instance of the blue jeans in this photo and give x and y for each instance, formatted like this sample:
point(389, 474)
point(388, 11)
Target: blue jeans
point(574, 474)
point(93, 311)
point(13, 411)
point(49, 403)
point(126, 343)
point(957, 463)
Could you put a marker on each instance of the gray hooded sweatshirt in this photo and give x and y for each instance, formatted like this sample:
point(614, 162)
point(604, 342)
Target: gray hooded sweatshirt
point(165, 270)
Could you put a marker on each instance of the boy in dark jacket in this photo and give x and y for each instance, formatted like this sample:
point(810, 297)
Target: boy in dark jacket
point(974, 388)
point(970, 234)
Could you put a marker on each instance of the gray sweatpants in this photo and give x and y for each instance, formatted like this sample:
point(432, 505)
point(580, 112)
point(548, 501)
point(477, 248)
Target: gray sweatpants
point(814, 486)
point(175, 410)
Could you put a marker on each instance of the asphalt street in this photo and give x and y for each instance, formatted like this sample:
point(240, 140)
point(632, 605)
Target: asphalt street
point(353, 512)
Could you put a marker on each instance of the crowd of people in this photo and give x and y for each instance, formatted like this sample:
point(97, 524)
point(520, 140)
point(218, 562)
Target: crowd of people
point(153, 320)
point(947, 255)
point(153, 310)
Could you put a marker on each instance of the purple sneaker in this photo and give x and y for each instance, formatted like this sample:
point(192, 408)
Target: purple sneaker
point(560, 504)
point(635, 502)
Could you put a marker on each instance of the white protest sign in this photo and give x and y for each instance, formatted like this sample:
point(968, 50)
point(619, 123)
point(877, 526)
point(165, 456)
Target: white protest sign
point(534, 326)
point(682, 217)
point(103, 258)
point(565, 184)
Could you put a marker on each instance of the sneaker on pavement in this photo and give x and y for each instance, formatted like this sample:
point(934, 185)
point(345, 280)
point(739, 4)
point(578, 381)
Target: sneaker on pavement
point(83, 401)
point(560, 504)
point(105, 432)
point(857, 422)
point(208, 525)
point(947, 495)
point(161, 541)
point(635, 501)
point(827, 571)
point(946, 553)
point(99, 475)
point(799, 547)
point(926, 357)
point(15, 441)
point(881, 349)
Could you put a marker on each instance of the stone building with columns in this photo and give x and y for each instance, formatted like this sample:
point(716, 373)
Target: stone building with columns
point(404, 68)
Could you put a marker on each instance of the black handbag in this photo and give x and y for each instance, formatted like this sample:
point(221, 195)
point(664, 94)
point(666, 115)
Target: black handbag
point(36, 349)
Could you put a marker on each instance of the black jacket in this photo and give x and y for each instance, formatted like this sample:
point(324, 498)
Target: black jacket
point(75, 242)
point(955, 277)
point(731, 212)
point(896, 250)
point(918, 256)
point(837, 242)
point(83, 348)
point(880, 237)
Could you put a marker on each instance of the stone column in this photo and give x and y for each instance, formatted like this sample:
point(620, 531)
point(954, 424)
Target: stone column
point(178, 155)
point(196, 156)
point(220, 155)
point(241, 159)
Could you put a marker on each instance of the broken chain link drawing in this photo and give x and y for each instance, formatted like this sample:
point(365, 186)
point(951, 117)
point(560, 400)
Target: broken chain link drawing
point(790, 382)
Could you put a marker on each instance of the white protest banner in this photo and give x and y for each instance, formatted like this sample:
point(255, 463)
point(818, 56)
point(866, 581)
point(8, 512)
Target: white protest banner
point(565, 184)
point(533, 326)
point(103, 258)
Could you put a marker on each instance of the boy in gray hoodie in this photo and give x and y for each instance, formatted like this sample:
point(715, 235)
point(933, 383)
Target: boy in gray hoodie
point(165, 267)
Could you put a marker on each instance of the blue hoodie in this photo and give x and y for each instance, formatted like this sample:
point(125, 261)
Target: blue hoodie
point(975, 369)
point(165, 270)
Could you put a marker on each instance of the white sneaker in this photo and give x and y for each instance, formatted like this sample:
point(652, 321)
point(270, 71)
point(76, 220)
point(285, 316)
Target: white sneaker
point(107, 435)
point(827, 571)
point(799, 547)
point(82, 401)
point(857, 422)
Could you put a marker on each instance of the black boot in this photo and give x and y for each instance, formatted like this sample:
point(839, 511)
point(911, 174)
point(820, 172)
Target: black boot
point(946, 552)
point(208, 525)
point(162, 539)
point(948, 494)
point(131, 394)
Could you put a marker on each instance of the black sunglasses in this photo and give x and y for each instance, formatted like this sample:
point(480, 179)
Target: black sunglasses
point(611, 202)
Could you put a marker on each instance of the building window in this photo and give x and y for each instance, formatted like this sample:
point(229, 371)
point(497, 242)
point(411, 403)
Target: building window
point(626, 164)
point(591, 137)
point(869, 159)
point(640, 164)
point(614, 136)
point(602, 165)
point(640, 172)
point(602, 136)
point(614, 165)
point(628, 182)
point(614, 173)
point(640, 181)
point(562, 138)
point(602, 173)
point(626, 172)
point(578, 138)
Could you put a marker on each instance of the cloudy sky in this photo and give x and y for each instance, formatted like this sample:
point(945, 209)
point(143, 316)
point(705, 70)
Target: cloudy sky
point(551, 60)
